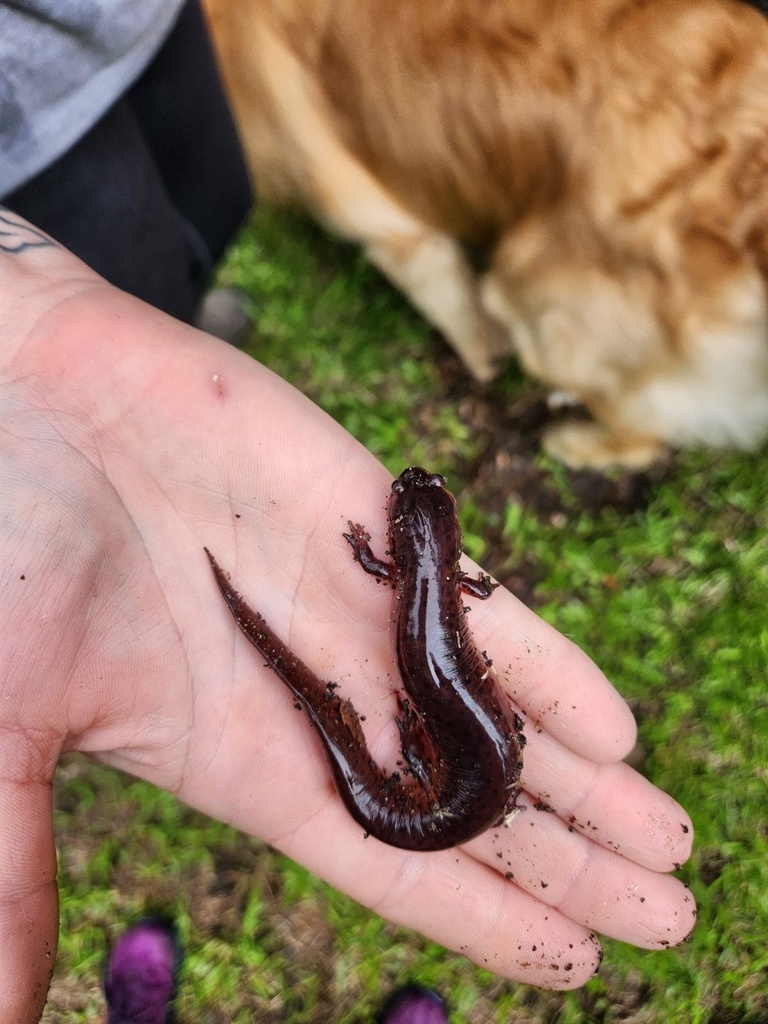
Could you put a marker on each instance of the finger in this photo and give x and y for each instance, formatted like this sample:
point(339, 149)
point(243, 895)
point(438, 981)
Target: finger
point(285, 795)
point(453, 899)
point(587, 882)
point(611, 804)
point(28, 896)
point(554, 683)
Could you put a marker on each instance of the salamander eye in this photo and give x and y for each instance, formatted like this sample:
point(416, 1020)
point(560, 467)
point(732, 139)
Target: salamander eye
point(436, 480)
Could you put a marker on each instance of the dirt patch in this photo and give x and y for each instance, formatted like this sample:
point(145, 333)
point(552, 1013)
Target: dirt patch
point(511, 468)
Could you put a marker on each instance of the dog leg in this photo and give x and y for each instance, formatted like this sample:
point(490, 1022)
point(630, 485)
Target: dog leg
point(428, 266)
point(433, 272)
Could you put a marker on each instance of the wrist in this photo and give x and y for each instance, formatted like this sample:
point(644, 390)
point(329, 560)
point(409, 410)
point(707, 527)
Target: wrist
point(36, 276)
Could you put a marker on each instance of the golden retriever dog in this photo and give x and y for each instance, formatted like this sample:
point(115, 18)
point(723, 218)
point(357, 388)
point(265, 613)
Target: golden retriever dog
point(609, 156)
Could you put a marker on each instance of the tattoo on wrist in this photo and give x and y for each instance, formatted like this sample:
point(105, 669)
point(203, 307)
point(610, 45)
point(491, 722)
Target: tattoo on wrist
point(16, 236)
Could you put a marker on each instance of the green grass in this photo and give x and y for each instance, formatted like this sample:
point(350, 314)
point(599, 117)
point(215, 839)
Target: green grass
point(670, 601)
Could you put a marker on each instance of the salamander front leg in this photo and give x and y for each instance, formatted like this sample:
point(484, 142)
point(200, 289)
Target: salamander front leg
point(358, 537)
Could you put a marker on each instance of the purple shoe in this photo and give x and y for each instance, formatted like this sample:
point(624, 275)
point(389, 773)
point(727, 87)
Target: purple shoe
point(140, 978)
point(414, 1005)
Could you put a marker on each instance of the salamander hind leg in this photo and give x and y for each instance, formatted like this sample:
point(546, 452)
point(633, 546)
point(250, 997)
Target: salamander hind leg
point(480, 588)
point(418, 749)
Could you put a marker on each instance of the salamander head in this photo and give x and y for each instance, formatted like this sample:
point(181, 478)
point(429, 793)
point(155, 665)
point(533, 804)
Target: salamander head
point(418, 493)
point(417, 477)
point(422, 514)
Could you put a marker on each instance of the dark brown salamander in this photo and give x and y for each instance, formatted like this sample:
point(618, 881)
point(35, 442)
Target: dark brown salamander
point(463, 748)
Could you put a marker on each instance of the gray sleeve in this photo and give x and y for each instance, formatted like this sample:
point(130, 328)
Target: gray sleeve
point(63, 63)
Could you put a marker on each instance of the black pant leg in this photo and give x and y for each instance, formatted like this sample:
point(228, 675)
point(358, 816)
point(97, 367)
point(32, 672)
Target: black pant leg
point(152, 194)
point(183, 111)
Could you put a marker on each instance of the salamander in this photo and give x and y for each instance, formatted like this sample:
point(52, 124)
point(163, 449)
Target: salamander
point(462, 744)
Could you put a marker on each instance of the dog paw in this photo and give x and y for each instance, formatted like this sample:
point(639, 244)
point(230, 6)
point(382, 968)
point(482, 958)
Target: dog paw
point(484, 371)
point(486, 352)
point(592, 446)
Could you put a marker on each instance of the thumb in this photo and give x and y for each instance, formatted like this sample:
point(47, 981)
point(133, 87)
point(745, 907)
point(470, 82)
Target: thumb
point(29, 903)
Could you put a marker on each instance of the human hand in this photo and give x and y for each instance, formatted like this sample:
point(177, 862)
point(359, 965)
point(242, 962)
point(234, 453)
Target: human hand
point(129, 442)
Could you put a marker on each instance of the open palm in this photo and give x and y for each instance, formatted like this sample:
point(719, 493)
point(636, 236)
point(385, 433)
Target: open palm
point(127, 443)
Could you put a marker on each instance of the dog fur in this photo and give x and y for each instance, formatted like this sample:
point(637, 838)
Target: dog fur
point(609, 156)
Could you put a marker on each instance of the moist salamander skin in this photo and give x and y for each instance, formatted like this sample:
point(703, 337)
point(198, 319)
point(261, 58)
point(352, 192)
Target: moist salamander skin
point(461, 741)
